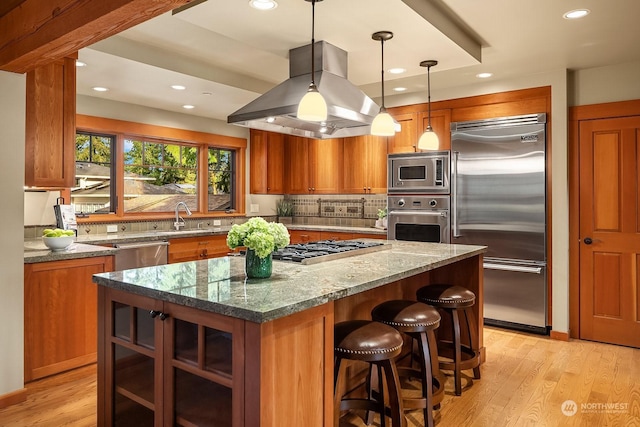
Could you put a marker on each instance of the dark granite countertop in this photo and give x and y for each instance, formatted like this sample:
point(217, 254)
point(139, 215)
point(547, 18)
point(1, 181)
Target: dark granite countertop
point(218, 285)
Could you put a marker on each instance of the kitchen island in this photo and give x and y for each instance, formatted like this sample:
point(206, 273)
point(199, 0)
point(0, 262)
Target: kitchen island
point(196, 344)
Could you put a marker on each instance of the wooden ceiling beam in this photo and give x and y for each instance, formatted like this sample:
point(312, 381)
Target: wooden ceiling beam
point(35, 33)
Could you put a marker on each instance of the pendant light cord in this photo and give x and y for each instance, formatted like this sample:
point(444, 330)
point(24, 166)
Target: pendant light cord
point(382, 72)
point(313, 41)
point(429, 95)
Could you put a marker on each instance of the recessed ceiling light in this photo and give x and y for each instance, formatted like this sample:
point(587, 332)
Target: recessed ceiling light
point(484, 75)
point(576, 14)
point(100, 89)
point(263, 4)
point(397, 70)
point(399, 89)
point(80, 63)
point(178, 87)
point(188, 107)
point(271, 119)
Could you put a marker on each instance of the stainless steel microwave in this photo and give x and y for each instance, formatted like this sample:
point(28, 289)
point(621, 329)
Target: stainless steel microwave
point(420, 173)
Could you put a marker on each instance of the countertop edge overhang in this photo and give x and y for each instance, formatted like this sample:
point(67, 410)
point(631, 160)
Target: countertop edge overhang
point(265, 300)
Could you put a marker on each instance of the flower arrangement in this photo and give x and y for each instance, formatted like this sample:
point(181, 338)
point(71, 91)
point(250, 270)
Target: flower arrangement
point(258, 234)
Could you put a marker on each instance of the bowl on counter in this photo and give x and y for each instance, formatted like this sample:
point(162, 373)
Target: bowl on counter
point(57, 244)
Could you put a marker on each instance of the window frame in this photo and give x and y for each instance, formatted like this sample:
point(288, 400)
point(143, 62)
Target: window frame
point(127, 130)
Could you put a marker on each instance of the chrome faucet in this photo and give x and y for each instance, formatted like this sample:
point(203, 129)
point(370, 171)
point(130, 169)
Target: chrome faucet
point(179, 220)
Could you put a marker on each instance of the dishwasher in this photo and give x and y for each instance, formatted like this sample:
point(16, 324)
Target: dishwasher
point(140, 254)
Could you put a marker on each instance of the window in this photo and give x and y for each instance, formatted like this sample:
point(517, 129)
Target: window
point(122, 172)
point(93, 192)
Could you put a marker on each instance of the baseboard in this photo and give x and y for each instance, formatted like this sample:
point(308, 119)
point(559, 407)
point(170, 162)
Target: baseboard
point(560, 336)
point(13, 398)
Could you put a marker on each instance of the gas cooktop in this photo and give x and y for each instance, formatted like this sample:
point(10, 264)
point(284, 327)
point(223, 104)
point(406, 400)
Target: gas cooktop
point(326, 250)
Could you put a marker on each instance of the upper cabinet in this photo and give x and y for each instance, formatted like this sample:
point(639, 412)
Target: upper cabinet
point(365, 165)
point(413, 125)
point(313, 166)
point(441, 125)
point(266, 162)
point(406, 140)
point(51, 125)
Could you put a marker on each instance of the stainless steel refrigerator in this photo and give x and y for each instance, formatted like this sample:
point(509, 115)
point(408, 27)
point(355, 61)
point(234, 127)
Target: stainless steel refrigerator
point(498, 199)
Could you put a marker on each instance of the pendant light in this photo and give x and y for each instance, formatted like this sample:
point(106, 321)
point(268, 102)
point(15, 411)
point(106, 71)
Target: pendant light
point(312, 106)
point(383, 124)
point(429, 140)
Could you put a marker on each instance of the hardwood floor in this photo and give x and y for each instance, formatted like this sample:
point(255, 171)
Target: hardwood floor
point(524, 382)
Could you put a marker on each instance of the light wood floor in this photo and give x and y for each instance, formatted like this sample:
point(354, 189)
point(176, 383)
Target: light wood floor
point(525, 381)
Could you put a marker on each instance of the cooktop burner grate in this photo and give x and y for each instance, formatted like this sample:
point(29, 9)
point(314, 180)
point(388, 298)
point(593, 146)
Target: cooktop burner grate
point(324, 250)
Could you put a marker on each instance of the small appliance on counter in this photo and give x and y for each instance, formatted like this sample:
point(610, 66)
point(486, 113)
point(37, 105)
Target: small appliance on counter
point(65, 215)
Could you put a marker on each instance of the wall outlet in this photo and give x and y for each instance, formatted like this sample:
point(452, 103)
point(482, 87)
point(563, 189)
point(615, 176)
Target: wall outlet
point(217, 222)
point(255, 207)
point(113, 228)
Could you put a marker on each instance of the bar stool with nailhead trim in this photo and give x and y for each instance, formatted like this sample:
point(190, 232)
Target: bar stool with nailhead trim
point(453, 300)
point(377, 344)
point(418, 321)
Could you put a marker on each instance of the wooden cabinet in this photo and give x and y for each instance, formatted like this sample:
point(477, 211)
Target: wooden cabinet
point(313, 166)
point(441, 125)
point(60, 304)
point(196, 248)
point(303, 236)
point(51, 125)
point(166, 364)
point(266, 162)
point(365, 160)
point(406, 140)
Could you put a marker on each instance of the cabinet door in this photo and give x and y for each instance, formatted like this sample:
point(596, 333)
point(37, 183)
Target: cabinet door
point(197, 248)
point(296, 165)
point(376, 165)
point(51, 125)
point(266, 162)
point(204, 365)
point(365, 165)
point(60, 330)
point(325, 165)
point(406, 140)
point(441, 125)
point(304, 236)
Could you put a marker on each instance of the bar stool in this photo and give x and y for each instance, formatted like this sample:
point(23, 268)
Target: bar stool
point(418, 321)
point(377, 344)
point(452, 300)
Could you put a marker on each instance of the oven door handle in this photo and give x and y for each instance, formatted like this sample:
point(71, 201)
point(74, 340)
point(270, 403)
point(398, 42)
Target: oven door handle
point(442, 214)
point(514, 268)
point(455, 231)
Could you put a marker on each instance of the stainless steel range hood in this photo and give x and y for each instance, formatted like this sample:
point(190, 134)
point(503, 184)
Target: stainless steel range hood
point(350, 111)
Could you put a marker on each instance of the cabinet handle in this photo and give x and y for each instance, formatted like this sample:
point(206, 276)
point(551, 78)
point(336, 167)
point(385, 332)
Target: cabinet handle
point(268, 188)
point(163, 316)
point(313, 188)
point(203, 243)
point(154, 313)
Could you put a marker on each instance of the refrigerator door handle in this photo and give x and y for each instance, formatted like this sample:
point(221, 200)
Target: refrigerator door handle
point(516, 268)
point(454, 195)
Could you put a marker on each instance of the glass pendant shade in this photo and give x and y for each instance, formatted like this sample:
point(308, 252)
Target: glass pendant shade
point(383, 124)
point(428, 140)
point(312, 106)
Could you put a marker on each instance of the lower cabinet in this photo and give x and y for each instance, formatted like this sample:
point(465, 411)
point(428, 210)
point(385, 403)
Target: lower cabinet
point(60, 323)
point(197, 248)
point(164, 364)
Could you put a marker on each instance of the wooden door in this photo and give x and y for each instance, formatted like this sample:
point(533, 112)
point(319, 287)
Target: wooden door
point(296, 165)
point(610, 230)
point(325, 165)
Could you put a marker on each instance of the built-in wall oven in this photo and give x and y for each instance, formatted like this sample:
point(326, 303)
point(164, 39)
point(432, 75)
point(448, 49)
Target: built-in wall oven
point(419, 218)
point(418, 202)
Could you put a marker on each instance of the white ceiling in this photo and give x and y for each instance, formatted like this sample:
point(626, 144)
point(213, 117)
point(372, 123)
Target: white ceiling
point(227, 53)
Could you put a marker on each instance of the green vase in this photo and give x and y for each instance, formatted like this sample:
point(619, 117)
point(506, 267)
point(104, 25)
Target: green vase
point(256, 267)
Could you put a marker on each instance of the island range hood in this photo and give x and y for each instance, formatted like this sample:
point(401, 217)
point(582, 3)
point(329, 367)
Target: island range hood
point(350, 111)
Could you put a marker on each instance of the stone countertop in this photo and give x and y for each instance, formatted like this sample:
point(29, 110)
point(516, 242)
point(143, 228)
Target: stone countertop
point(219, 285)
point(35, 251)
point(85, 245)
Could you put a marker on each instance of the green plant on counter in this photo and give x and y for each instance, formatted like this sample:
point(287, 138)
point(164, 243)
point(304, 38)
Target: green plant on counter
point(284, 207)
point(382, 213)
point(257, 234)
